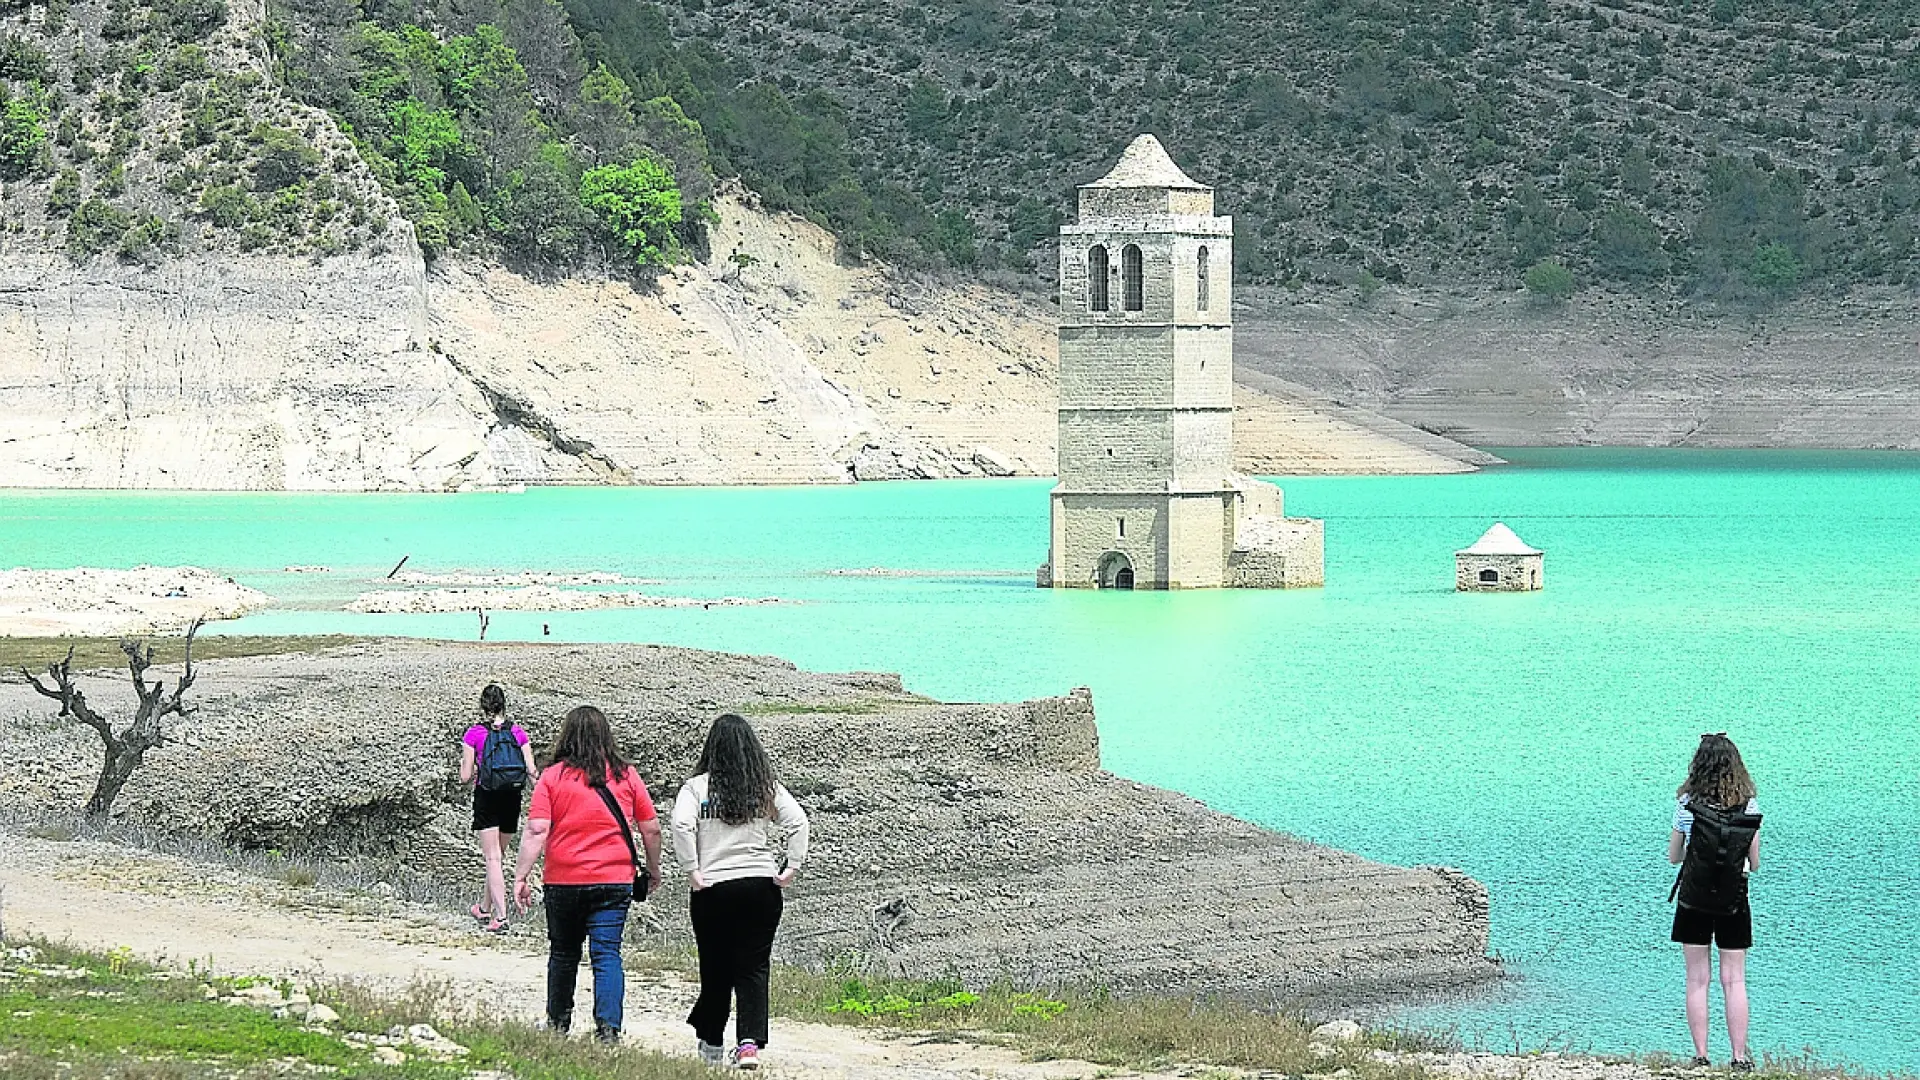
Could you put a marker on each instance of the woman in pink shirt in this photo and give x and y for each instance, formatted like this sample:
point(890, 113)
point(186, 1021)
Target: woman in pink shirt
point(496, 759)
point(587, 807)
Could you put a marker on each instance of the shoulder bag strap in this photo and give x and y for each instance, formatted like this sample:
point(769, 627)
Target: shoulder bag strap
point(633, 850)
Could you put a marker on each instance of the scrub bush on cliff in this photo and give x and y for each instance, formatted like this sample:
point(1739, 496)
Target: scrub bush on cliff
point(640, 205)
point(23, 132)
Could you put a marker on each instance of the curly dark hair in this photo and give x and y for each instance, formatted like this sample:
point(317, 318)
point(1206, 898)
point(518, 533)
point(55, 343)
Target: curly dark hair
point(1717, 774)
point(493, 700)
point(586, 743)
point(740, 779)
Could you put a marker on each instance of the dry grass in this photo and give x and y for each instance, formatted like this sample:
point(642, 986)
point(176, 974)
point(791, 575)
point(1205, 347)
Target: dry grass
point(1085, 1024)
point(35, 653)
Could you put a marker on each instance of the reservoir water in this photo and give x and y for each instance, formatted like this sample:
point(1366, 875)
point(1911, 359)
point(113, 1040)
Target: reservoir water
point(1534, 741)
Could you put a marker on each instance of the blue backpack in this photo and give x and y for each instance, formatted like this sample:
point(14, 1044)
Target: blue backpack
point(501, 764)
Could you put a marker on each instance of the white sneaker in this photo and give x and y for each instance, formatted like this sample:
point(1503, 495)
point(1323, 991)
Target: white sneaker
point(711, 1053)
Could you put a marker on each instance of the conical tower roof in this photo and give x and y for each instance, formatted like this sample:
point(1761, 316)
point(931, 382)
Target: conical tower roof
point(1145, 164)
point(1499, 540)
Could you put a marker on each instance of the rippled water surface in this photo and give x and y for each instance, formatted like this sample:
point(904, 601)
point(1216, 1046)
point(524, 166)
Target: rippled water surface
point(1533, 740)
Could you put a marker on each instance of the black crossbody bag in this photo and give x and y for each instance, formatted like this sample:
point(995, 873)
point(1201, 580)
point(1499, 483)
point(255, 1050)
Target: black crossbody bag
point(641, 879)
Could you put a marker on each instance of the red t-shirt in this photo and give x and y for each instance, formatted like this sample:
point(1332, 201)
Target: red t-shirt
point(585, 846)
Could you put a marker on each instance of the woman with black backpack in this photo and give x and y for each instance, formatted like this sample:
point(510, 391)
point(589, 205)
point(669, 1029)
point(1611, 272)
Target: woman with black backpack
point(496, 758)
point(1716, 842)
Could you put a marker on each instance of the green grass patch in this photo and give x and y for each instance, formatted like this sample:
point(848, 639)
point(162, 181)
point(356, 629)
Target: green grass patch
point(79, 1015)
point(35, 653)
point(859, 707)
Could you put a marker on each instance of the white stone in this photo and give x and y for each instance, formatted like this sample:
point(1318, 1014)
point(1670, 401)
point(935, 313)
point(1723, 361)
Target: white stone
point(1336, 1031)
point(321, 1014)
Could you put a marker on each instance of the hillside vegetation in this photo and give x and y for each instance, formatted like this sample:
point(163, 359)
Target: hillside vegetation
point(1739, 149)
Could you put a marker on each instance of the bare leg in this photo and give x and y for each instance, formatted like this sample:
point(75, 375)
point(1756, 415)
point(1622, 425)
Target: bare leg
point(1733, 985)
point(490, 848)
point(1699, 982)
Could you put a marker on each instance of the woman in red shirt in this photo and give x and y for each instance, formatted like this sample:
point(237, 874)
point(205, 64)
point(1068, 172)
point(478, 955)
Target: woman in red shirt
point(591, 868)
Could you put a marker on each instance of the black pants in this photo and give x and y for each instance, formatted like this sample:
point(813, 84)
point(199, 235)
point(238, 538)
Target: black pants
point(595, 915)
point(734, 924)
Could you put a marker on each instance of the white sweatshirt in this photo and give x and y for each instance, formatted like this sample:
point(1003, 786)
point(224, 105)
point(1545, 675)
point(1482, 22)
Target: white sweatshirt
point(723, 852)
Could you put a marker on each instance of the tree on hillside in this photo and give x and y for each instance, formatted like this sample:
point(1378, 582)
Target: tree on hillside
point(123, 751)
point(1549, 281)
point(639, 203)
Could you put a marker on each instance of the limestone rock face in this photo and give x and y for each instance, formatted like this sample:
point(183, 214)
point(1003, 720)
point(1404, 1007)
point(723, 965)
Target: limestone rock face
point(978, 839)
point(231, 373)
point(770, 363)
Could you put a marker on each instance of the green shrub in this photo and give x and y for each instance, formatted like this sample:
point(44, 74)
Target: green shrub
point(190, 20)
point(140, 242)
point(65, 194)
point(639, 204)
point(226, 206)
point(22, 60)
point(96, 226)
point(1549, 281)
point(1775, 268)
point(285, 158)
point(23, 132)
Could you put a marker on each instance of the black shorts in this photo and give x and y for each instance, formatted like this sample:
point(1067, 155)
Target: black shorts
point(1729, 931)
point(496, 809)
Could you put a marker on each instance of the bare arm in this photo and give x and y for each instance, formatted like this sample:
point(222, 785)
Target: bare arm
point(533, 772)
point(466, 763)
point(1753, 854)
point(650, 840)
point(1676, 846)
point(533, 844)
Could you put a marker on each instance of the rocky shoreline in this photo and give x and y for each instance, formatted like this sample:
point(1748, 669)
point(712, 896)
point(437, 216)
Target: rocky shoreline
point(979, 840)
point(89, 601)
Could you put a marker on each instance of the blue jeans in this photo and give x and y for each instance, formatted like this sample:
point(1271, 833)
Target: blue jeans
point(597, 915)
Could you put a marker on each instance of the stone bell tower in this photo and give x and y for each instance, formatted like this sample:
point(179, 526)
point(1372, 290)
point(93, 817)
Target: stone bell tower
point(1147, 496)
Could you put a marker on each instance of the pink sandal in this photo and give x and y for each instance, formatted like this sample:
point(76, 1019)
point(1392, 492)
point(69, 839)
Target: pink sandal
point(479, 913)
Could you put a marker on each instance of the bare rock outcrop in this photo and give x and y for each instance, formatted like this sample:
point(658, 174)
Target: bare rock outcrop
point(978, 839)
point(1607, 370)
point(95, 602)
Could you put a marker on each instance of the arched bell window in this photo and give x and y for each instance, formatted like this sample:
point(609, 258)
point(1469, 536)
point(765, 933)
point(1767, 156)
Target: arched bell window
point(1200, 297)
point(1097, 272)
point(1131, 287)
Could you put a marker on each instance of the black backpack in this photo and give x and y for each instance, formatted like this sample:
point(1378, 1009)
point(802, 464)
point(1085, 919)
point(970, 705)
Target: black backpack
point(1713, 875)
point(501, 764)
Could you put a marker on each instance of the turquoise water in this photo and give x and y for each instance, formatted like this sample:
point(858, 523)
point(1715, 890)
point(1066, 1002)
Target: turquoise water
point(1532, 740)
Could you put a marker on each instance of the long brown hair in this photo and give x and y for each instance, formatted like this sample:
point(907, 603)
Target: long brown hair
point(586, 743)
point(740, 778)
point(1717, 774)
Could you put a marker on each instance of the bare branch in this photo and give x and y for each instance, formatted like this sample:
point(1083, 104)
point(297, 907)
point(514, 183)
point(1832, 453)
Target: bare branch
point(186, 677)
point(72, 702)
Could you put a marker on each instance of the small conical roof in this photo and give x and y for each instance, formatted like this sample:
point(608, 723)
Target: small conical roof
point(1499, 540)
point(1145, 164)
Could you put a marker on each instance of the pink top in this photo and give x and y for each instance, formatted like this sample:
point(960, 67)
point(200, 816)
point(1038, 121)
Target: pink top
point(586, 846)
point(476, 737)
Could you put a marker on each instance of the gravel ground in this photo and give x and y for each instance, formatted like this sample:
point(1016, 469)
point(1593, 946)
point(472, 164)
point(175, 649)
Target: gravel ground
point(977, 840)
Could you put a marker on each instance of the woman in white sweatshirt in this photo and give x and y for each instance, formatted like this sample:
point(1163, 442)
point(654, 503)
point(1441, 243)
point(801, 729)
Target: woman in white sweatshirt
point(721, 833)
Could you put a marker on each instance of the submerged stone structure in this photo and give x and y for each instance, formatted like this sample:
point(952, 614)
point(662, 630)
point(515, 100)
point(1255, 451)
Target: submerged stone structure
point(1147, 496)
point(1499, 562)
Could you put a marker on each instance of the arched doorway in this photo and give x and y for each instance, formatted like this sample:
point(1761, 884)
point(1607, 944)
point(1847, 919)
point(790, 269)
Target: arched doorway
point(1116, 571)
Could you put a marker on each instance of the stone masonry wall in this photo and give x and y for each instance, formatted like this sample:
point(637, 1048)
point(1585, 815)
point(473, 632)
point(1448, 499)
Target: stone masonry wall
point(1290, 556)
point(1518, 573)
point(1087, 527)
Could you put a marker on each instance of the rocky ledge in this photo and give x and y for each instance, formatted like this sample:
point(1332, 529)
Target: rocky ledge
point(981, 840)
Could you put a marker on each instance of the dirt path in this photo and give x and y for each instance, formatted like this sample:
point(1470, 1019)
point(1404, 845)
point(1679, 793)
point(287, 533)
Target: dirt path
point(171, 910)
point(175, 911)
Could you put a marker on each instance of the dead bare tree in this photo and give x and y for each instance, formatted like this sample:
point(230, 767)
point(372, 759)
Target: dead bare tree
point(127, 750)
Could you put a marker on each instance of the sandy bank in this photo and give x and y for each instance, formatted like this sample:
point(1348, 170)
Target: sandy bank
point(413, 577)
point(977, 840)
point(531, 598)
point(87, 601)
